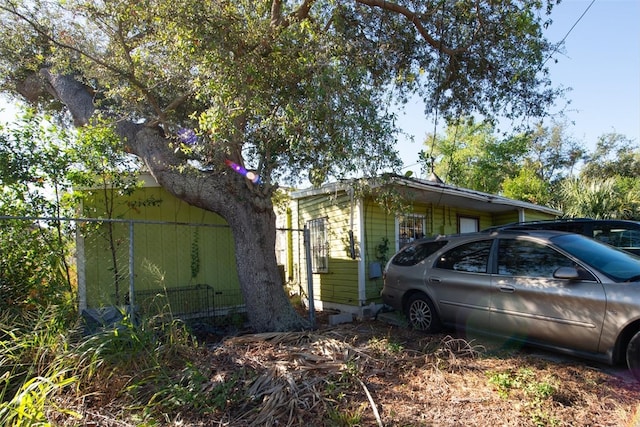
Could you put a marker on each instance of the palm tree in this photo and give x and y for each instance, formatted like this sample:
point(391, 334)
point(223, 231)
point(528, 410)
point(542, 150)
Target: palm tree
point(598, 200)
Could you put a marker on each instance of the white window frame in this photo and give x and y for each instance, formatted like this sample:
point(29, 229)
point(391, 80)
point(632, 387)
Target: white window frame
point(319, 241)
point(468, 224)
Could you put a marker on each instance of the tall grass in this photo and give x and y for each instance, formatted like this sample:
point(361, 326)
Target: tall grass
point(33, 365)
point(47, 367)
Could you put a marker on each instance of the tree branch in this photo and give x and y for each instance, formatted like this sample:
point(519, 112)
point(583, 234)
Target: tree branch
point(41, 31)
point(75, 95)
point(276, 13)
point(303, 10)
point(128, 75)
point(300, 14)
point(131, 75)
point(415, 20)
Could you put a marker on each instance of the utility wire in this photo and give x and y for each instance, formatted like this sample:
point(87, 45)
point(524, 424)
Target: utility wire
point(555, 50)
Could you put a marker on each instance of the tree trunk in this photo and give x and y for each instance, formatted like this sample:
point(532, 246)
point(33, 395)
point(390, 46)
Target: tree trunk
point(267, 304)
point(245, 206)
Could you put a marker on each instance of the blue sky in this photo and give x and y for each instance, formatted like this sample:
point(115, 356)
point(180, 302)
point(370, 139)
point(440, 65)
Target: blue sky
point(600, 62)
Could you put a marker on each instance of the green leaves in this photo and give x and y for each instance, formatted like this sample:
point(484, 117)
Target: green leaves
point(471, 156)
point(34, 158)
point(541, 167)
point(600, 199)
point(289, 88)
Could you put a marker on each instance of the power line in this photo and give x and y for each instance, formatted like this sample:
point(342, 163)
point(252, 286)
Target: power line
point(555, 50)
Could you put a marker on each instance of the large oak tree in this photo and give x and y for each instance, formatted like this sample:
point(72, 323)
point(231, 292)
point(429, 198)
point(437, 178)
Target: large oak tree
point(288, 89)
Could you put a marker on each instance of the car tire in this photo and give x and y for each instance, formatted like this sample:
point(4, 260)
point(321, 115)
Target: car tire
point(422, 315)
point(633, 356)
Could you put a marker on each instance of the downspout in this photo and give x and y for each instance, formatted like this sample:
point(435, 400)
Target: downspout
point(521, 215)
point(362, 270)
point(362, 294)
point(352, 245)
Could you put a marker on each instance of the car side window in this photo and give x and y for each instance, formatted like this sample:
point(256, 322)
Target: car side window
point(606, 235)
point(529, 259)
point(630, 239)
point(413, 254)
point(471, 257)
point(618, 236)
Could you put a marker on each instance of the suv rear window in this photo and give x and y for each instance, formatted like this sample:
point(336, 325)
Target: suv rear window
point(413, 254)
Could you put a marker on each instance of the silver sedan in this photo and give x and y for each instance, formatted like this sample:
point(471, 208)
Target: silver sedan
point(560, 291)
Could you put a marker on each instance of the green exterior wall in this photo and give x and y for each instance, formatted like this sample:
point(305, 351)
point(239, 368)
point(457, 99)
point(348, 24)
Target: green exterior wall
point(349, 281)
point(166, 255)
point(378, 226)
point(529, 215)
point(340, 284)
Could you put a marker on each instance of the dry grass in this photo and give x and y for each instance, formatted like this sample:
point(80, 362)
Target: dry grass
point(371, 374)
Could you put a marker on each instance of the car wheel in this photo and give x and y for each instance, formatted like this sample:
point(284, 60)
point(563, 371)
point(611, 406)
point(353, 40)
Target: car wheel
point(633, 356)
point(422, 314)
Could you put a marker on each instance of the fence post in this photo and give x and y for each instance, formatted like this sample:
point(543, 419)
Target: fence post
point(307, 250)
point(132, 299)
point(81, 269)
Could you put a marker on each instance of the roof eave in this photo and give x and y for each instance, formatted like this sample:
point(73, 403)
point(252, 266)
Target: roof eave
point(426, 186)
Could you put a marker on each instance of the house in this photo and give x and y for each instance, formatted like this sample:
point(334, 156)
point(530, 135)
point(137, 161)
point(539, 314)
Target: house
point(166, 253)
point(148, 246)
point(352, 235)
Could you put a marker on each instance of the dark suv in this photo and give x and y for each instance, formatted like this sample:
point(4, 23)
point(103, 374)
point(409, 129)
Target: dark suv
point(616, 232)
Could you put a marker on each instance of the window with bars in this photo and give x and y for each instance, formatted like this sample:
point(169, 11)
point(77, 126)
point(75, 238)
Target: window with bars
point(318, 236)
point(410, 228)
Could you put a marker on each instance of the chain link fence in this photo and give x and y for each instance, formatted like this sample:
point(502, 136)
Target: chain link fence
point(179, 266)
point(187, 270)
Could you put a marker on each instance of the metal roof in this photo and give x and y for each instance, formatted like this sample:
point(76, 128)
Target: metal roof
point(435, 192)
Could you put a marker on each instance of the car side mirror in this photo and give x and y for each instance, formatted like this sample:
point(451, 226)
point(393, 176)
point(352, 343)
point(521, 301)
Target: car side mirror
point(569, 273)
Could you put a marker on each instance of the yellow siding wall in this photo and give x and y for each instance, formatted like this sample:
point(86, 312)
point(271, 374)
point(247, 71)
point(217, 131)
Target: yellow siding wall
point(505, 218)
point(164, 254)
point(444, 219)
point(377, 227)
point(340, 284)
point(529, 215)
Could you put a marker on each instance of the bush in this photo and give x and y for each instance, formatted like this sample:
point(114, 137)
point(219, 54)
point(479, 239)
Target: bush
point(32, 272)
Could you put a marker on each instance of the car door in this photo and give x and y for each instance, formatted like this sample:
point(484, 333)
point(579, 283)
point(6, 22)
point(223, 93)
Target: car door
point(529, 303)
point(461, 284)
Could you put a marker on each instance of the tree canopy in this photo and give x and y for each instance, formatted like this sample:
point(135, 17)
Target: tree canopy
point(470, 155)
point(290, 88)
point(285, 89)
point(545, 166)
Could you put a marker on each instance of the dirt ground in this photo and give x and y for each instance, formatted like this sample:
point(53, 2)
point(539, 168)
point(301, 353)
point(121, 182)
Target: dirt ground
point(374, 373)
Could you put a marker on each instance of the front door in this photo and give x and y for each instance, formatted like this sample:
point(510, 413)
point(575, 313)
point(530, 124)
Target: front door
point(461, 285)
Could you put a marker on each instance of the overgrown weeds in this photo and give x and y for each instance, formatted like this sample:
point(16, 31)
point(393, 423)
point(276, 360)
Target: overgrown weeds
point(32, 363)
point(533, 393)
point(152, 372)
point(43, 357)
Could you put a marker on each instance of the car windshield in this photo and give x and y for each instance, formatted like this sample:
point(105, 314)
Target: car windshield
point(618, 265)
